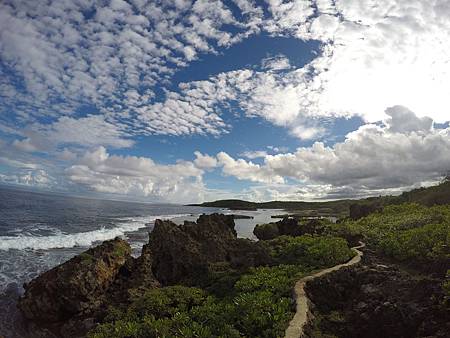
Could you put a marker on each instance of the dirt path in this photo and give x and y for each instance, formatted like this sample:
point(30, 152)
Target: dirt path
point(295, 329)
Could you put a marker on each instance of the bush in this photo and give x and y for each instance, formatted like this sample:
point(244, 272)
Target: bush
point(255, 304)
point(309, 251)
point(408, 232)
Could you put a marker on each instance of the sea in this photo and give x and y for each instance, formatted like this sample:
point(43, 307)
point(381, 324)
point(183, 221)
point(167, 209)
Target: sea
point(41, 230)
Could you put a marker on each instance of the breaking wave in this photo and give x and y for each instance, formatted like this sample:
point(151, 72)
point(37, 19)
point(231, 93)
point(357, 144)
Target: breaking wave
point(79, 239)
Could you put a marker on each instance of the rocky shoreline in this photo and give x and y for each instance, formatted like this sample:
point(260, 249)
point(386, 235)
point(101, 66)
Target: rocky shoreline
point(70, 299)
point(206, 267)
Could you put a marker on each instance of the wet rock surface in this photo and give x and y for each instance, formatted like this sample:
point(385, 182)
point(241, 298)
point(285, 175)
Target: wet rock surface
point(377, 299)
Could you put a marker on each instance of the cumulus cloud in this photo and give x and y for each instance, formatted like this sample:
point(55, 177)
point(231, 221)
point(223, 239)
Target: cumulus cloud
point(62, 58)
point(254, 154)
point(137, 176)
point(204, 161)
point(244, 170)
point(371, 159)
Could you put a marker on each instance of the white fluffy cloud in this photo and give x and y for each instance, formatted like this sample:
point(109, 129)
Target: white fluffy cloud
point(204, 161)
point(374, 56)
point(87, 131)
point(137, 176)
point(244, 170)
point(61, 55)
point(372, 159)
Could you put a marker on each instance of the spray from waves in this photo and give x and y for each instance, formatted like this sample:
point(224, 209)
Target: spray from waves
point(80, 239)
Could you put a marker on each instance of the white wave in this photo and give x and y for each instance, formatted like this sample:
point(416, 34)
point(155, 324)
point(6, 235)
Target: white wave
point(82, 239)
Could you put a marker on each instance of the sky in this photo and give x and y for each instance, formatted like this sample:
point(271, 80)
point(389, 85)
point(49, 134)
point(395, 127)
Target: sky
point(189, 101)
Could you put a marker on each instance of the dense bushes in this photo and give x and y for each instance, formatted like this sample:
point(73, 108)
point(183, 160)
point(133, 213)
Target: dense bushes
point(253, 304)
point(309, 251)
point(408, 232)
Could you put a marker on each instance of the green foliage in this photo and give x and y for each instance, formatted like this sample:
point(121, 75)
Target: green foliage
point(407, 232)
point(309, 251)
point(256, 303)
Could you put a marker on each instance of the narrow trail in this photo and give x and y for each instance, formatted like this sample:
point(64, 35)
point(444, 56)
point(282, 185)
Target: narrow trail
point(295, 329)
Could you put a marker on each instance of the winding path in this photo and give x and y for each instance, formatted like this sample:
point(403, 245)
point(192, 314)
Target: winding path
point(295, 329)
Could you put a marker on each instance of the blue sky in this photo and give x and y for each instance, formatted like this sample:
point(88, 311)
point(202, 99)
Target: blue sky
point(187, 101)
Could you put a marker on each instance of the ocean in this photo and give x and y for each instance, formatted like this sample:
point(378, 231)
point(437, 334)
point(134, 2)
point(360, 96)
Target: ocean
point(41, 230)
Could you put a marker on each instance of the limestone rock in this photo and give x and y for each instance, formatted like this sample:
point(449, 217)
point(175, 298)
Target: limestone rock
point(76, 286)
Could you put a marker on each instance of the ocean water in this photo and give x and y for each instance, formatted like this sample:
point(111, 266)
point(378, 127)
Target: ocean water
point(39, 231)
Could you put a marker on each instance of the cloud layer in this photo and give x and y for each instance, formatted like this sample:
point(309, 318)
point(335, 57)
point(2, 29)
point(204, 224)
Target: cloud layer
point(80, 79)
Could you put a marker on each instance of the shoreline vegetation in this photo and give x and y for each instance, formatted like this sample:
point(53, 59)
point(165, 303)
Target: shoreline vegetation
point(199, 280)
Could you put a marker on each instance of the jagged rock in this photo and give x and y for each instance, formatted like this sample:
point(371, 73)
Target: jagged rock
point(134, 277)
point(377, 300)
point(76, 286)
point(266, 232)
point(288, 226)
point(183, 253)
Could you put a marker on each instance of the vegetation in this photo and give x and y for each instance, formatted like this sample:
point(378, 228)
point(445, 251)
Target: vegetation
point(256, 303)
point(408, 232)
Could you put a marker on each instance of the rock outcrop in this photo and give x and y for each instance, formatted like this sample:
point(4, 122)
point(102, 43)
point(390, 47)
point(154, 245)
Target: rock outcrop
point(377, 299)
point(76, 286)
point(288, 226)
point(184, 253)
point(69, 299)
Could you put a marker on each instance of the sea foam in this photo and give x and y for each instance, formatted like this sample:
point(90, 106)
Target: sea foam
point(79, 239)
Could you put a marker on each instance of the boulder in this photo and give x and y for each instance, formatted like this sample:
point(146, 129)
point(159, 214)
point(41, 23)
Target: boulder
point(287, 226)
point(75, 287)
point(266, 232)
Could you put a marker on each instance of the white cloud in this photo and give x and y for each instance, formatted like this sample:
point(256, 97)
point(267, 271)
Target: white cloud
point(204, 161)
point(137, 176)
point(35, 178)
point(89, 131)
point(403, 120)
point(276, 63)
point(254, 154)
point(244, 170)
point(372, 159)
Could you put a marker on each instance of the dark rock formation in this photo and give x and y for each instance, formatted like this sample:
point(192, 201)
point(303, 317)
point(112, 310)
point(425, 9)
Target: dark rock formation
point(266, 232)
point(358, 211)
point(75, 287)
point(71, 298)
point(377, 299)
point(183, 253)
point(288, 226)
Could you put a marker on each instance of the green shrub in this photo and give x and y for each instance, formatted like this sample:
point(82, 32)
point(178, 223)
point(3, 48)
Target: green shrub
point(407, 232)
point(255, 304)
point(309, 251)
